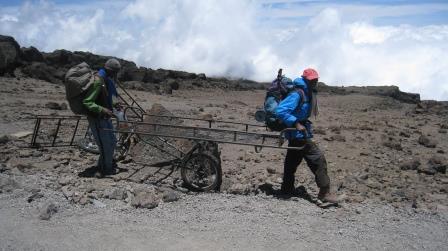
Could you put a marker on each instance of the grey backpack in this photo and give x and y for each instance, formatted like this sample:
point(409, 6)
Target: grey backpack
point(78, 80)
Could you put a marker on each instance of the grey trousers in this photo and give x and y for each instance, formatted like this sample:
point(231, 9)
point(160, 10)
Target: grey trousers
point(105, 140)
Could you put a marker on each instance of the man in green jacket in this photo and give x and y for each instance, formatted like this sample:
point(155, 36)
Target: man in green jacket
point(99, 101)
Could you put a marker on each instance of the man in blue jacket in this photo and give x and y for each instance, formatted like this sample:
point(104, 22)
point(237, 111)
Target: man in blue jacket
point(294, 111)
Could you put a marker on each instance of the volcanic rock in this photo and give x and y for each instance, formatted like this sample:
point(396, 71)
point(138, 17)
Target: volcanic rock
point(43, 71)
point(145, 199)
point(4, 139)
point(35, 194)
point(9, 54)
point(134, 74)
point(8, 184)
point(47, 211)
point(438, 163)
point(426, 141)
point(393, 144)
point(117, 194)
point(170, 196)
point(410, 165)
point(56, 106)
point(32, 54)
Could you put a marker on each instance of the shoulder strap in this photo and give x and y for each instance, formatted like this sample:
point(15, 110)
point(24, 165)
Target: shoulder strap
point(302, 97)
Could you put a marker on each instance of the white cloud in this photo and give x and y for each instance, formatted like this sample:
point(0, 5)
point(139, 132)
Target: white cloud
point(228, 38)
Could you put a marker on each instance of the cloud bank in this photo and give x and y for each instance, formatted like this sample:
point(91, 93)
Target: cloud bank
point(236, 38)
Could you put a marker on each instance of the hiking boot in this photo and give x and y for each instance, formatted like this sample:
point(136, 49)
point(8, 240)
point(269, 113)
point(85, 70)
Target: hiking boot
point(110, 172)
point(326, 196)
point(287, 190)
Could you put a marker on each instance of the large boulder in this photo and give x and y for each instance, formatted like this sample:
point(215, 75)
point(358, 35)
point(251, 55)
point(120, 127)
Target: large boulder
point(9, 54)
point(32, 54)
point(133, 74)
point(157, 76)
point(58, 58)
point(181, 75)
point(45, 72)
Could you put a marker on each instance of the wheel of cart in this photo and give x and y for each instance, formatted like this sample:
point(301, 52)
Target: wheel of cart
point(201, 168)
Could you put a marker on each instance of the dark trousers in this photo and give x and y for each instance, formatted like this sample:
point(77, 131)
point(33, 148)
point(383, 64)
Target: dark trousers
point(313, 157)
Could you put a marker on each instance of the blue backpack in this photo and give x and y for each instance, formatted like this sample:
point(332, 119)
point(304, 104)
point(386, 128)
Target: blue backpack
point(277, 91)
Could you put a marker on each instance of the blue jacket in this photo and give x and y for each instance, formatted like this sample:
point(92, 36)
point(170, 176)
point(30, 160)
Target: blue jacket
point(289, 112)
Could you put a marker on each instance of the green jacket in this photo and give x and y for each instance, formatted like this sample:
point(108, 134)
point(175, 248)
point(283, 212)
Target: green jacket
point(96, 98)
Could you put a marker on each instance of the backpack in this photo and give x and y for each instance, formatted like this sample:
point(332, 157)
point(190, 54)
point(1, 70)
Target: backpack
point(271, 120)
point(78, 80)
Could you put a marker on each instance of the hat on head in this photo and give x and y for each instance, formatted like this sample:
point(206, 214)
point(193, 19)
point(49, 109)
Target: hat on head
point(112, 65)
point(310, 74)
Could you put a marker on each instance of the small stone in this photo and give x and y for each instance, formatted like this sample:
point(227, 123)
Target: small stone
point(84, 200)
point(393, 144)
point(339, 138)
point(8, 184)
point(426, 170)
point(66, 192)
point(271, 170)
point(47, 211)
point(64, 181)
point(438, 163)
point(426, 141)
point(145, 200)
point(239, 189)
point(25, 153)
point(117, 194)
point(4, 139)
point(170, 196)
point(22, 134)
point(35, 194)
point(56, 106)
point(405, 134)
point(410, 165)
point(364, 176)
point(98, 204)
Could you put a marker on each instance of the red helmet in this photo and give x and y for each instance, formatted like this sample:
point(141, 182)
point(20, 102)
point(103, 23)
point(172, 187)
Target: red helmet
point(310, 74)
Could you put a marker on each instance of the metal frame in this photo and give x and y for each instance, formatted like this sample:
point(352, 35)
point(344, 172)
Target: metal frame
point(194, 133)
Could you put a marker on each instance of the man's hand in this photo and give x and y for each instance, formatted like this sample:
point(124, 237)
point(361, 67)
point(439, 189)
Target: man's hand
point(118, 106)
point(107, 112)
point(300, 127)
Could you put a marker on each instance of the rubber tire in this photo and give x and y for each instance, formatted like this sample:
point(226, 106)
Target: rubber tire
point(217, 166)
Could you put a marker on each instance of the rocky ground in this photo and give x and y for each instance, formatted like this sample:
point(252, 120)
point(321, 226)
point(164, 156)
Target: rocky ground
point(386, 151)
point(388, 157)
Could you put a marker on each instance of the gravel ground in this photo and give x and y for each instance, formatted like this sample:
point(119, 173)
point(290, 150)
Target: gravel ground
point(216, 221)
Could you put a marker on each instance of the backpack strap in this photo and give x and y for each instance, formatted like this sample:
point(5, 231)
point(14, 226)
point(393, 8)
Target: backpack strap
point(302, 98)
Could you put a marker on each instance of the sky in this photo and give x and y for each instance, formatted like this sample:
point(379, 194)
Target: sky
point(402, 43)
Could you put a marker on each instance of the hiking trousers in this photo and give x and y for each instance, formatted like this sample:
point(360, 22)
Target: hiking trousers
point(105, 140)
point(313, 157)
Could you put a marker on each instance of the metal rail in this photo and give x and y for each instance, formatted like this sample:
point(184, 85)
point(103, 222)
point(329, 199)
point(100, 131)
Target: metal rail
point(59, 131)
point(258, 140)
